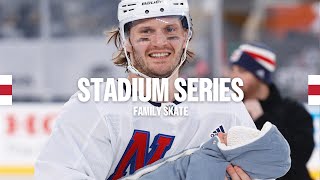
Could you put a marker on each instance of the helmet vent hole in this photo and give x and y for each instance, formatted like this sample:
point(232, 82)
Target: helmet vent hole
point(125, 11)
point(161, 9)
point(181, 3)
point(147, 11)
point(175, 3)
point(131, 4)
point(131, 9)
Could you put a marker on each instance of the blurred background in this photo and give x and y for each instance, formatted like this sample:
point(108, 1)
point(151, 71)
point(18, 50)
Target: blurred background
point(47, 45)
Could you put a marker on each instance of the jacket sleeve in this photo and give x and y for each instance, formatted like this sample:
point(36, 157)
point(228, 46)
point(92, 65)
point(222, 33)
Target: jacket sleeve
point(299, 134)
point(79, 146)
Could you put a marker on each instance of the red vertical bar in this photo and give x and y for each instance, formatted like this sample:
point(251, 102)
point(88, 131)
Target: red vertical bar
point(314, 90)
point(5, 89)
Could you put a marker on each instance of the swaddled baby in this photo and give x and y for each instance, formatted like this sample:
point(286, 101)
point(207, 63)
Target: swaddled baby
point(261, 154)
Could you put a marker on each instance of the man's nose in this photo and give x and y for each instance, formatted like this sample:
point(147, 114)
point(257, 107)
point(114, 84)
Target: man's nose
point(160, 39)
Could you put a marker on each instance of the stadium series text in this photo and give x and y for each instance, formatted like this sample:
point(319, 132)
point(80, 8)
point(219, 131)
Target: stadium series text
point(157, 90)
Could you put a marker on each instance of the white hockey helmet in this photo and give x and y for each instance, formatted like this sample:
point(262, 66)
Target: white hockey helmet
point(131, 10)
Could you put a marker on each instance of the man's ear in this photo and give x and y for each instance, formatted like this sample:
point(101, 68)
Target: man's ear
point(184, 44)
point(187, 37)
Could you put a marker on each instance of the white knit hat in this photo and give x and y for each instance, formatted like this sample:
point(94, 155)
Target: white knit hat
point(239, 135)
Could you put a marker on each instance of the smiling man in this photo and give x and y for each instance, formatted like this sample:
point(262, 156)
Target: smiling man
point(156, 45)
point(104, 140)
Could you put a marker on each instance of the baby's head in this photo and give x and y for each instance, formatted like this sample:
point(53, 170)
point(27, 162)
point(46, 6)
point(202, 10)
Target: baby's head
point(238, 135)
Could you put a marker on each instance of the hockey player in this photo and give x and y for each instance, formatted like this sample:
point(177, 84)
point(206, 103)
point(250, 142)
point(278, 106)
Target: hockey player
point(103, 140)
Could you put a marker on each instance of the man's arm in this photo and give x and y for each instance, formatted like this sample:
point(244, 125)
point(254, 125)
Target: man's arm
point(242, 115)
point(79, 146)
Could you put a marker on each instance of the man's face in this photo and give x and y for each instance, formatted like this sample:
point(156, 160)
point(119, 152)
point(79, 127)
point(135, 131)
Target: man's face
point(156, 45)
point(250, 82)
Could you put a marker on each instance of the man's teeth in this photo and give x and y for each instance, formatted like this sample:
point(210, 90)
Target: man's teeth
point(157, 55)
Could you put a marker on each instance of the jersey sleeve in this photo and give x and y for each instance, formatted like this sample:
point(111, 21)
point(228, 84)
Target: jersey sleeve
point(79, 146)
point(241, 114)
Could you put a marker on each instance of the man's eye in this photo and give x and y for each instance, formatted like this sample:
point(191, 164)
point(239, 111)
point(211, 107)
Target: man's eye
point(173, 38)
point(143, 39)
point(146, 31)
point(170, 29)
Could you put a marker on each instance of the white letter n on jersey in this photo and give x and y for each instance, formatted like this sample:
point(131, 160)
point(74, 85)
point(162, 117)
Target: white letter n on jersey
point(136, 154)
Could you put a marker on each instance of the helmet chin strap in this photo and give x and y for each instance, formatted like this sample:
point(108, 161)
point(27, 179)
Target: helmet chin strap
point(133, 70)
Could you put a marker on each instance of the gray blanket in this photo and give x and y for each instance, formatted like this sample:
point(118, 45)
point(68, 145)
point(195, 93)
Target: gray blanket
point(265, 157)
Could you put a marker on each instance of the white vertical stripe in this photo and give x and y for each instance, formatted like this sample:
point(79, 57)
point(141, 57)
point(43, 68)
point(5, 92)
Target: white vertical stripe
point(5, 79)
point(5, 100)
point(314, 100)
point(313, 79)
point(260, 51)
point(267, 65)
